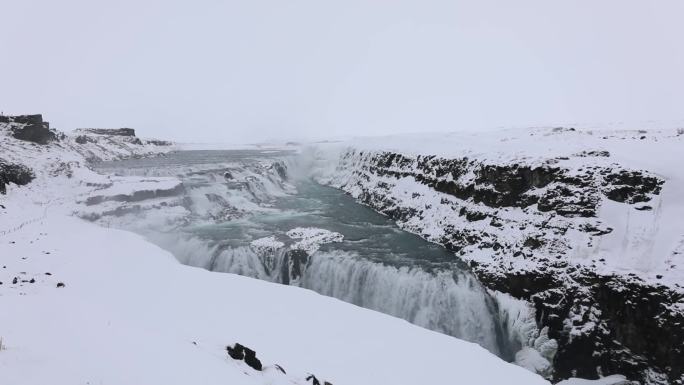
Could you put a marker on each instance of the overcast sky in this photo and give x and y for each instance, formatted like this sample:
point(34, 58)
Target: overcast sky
point(260, 69)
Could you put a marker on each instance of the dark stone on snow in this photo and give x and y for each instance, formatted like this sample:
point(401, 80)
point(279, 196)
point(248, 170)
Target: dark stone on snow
point(241, 352)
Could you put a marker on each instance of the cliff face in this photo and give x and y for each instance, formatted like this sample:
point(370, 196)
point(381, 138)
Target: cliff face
point(579, 235)
point(97, 144)
point(28, 140)
point(30, 128)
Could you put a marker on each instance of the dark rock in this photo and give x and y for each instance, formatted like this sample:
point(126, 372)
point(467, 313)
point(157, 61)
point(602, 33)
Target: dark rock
point(280, 169)
point(644, 208)
point(631, 186)
point(14, 173)
point(27, 119)
point(473, 216)
point(295, 260)
point(594, 153)
point(313, 379)
point(240, 352)
point(533, 243)
point(236, 352)
point(33, 129)
point(60, 284)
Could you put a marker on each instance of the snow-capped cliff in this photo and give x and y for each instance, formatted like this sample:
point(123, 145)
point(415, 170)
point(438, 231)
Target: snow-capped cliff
point(585, 224)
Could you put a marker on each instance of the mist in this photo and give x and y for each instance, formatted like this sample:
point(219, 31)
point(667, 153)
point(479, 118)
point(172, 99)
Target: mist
point(245, 71)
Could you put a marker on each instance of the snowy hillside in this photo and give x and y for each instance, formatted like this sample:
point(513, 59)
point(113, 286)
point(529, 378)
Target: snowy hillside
point(585, 224)
point(86, 304)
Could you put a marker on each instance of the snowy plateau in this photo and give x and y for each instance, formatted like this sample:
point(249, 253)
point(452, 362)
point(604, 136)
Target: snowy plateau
point(572, 240)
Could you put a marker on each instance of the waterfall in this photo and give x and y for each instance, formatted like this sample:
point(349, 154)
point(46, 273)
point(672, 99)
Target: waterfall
point(449, 301)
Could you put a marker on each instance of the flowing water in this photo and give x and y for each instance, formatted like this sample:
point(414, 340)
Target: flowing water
point(234, 197)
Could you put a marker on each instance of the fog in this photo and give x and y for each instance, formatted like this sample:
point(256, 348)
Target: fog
point(240, 71)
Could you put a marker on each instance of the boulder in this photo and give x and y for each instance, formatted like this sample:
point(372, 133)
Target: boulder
point(243, 353)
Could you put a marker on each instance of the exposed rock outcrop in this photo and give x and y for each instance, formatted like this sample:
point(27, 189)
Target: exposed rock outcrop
point(31, 128)
point(13, 173)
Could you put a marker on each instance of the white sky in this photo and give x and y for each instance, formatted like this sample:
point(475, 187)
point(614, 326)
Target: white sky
point(278, 69)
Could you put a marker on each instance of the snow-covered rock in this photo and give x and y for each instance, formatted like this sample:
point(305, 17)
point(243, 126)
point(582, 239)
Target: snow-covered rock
point(310, 239)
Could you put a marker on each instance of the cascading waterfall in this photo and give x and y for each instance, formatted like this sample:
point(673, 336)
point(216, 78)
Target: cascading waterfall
point(451, 302)
point(227, 211)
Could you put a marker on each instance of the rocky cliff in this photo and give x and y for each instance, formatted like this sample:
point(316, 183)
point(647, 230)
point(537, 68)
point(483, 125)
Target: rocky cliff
point(571, 228)
point(30, 128)
point(27, 139)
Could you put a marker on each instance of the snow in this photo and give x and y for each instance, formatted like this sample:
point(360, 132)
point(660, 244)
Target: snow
point(267, 244)
point(311, 238)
